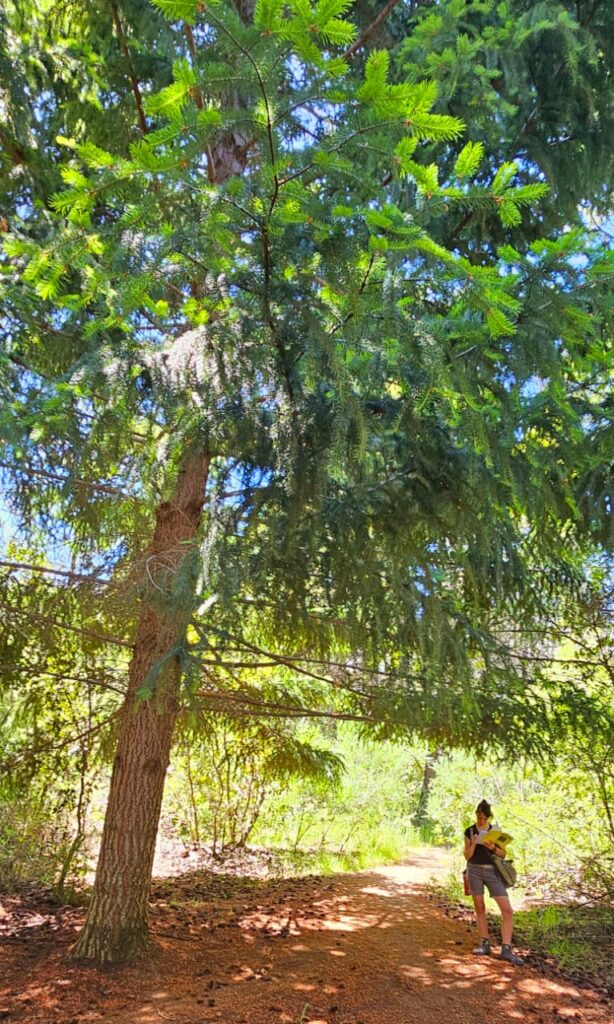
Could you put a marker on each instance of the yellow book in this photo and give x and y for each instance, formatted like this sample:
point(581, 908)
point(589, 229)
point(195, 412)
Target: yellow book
point(496, 836)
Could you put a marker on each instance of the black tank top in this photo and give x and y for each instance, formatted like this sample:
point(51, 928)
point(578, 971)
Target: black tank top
point(480, 854)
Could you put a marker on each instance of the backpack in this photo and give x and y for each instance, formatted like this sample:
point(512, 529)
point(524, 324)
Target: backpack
point(507, 871)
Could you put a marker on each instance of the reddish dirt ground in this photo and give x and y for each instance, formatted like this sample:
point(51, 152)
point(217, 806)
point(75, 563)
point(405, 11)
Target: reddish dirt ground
point(368, 948)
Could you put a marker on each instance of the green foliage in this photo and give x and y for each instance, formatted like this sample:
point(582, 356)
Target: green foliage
point(365, 818)
point(32, 844)
point(229, 773)
point(178, 9)
point(365, 287)
point(581, 938)
point(469, 160)
point(520, 75)
point(562, 841)
point(58, 700)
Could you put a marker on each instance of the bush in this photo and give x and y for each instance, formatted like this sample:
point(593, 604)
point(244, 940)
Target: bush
point(366, 816)
point(32, 847)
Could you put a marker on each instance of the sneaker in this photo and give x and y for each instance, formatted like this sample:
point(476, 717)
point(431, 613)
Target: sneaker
point(484, 948)
point(507, 954)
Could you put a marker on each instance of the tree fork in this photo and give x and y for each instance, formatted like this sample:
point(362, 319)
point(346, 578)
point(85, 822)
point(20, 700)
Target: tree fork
point(116, 928)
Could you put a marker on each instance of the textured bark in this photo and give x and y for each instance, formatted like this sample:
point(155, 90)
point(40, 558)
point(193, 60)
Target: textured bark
point(116, 927)
point(430, 770)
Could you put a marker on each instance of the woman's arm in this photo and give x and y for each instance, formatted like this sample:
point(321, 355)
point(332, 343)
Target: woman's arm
point(493, 848)
point(470, 845)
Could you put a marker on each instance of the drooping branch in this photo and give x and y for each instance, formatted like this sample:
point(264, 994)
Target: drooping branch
point(30, 471)
point(74, 577)
point(47, 620)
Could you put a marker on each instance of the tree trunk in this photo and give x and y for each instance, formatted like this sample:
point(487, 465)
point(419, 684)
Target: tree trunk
point(430, 768)
point(116, 926)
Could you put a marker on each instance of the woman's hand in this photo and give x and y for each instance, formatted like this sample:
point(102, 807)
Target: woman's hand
point(470, 845)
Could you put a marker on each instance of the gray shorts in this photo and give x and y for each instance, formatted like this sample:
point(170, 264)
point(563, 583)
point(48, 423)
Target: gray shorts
point(481, 875)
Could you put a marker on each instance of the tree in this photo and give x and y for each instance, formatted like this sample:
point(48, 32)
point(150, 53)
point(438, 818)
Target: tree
point(345, 412)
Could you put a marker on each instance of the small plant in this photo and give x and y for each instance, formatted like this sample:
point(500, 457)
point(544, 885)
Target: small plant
point(580, 937)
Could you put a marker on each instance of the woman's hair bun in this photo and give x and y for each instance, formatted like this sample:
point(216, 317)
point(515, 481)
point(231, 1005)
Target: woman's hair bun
point(484, 808)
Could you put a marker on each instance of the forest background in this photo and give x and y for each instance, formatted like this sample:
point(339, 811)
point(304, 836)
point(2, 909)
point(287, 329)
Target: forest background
point(307, 471)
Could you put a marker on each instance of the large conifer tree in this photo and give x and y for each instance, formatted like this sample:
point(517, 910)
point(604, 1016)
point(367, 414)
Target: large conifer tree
point(283, 264)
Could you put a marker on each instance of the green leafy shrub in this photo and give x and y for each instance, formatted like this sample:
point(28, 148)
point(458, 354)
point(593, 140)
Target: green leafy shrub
point(220, 779)
point(32, 847)
point(580, 937)
point(366, 817)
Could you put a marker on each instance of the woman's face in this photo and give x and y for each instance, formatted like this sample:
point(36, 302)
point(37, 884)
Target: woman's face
point(481, 820)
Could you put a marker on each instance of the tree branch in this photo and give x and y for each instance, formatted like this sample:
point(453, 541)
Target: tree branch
point(134, 82)
point(187, 31)
point(76, 577)
point(46, 620)
point(30, 471)
point(381, 17)
point(275, 710)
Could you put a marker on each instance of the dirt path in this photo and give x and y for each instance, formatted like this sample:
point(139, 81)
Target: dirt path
point(368, 948)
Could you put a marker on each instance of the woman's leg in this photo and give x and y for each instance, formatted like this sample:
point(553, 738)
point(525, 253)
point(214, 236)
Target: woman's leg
point(480, 913)
point(507, 915)
point(506, 932)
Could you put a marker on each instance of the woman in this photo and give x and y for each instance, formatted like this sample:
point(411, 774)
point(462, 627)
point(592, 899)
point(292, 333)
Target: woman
point(481, 871)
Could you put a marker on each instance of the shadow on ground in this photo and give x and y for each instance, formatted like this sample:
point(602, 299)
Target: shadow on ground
point(366, 948)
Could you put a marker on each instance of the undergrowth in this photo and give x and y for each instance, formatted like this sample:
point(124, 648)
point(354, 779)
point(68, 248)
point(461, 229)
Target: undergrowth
point(332, 862)
point(579, 936)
